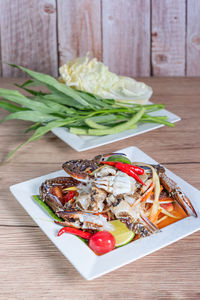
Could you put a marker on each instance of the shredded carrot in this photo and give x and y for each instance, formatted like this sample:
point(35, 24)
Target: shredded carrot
point(169, 199)
point(144, 197)
point(148, 194)
point(161, 188)
point(154, 218)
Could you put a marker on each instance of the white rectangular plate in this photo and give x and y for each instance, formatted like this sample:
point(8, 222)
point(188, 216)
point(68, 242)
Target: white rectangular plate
point(79, 254)
point(83, 142)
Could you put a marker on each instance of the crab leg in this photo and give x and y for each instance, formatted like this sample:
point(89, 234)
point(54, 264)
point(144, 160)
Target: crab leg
point(151, 227)
point(80, 219)
point(175, 191)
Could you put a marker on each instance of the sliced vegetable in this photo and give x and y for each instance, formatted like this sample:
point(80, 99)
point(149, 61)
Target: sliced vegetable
point(121, 233)
point(165, 212)
point(156, 181)
point(71, 188)
point(148, 193)
point(161, 219)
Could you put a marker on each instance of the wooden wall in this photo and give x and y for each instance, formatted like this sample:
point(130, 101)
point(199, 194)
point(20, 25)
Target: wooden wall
point(133, 37)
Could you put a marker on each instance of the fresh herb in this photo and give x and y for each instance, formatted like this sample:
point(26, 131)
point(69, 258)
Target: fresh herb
point(82, 113)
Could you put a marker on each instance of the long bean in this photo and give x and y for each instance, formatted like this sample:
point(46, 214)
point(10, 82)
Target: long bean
point(119, 128)
point(78, 130)
point(95, 125)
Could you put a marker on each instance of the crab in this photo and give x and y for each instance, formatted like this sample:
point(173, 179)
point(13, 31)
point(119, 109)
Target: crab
point(104, 189)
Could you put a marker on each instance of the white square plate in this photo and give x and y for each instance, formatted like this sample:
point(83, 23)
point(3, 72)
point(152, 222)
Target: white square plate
point(79, 254)
point(83, 142)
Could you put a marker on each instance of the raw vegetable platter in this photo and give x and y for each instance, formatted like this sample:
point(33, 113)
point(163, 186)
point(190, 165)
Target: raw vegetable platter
point(79, 118)
point(79, 254)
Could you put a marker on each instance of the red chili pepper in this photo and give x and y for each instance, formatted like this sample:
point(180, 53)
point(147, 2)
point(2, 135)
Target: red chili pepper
point(110, 163)
point(129, 171)
point(75, 231)
point(69, 196)
point(137, 169)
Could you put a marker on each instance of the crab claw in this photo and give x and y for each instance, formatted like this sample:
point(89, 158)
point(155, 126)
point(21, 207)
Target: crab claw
point(79, 219)
point(134, 220)
point(50, 188)
point(175, 191)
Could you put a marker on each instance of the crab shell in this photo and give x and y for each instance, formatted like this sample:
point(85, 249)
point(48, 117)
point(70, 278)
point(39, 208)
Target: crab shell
point(81, 168)
point(46, 191)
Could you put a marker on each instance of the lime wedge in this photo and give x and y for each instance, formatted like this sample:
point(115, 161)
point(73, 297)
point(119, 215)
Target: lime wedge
point(121, 233)
point(119, 158)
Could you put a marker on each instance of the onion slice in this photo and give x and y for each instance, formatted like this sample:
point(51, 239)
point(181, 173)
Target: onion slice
point(164, 211)
point(156, 182)
point(161, 219)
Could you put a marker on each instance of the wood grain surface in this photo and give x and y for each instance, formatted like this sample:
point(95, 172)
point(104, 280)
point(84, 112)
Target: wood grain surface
point(28, 36)
point(32, 268)
point(126, 36)
point(193, 38)
point(133, 37)
point(168, 38)
point(79, 29)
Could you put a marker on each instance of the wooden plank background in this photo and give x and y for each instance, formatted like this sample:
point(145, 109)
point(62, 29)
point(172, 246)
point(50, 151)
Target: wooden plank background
point(133, 37)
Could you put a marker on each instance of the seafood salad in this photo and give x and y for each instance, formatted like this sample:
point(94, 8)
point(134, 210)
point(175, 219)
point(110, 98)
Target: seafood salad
point(110, 201)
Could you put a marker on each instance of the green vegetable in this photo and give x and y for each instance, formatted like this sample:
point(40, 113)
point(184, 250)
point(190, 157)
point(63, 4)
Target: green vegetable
point(119, 128)
point(10, 107)
point(119, 158)
point(82, 113)
point(34, 116)
point(93, 124)
point(46, 208)
point(79, 131)
point(52, 82)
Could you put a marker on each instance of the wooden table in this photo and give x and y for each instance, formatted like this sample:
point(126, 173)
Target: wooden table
point(32, 267)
